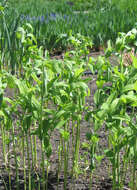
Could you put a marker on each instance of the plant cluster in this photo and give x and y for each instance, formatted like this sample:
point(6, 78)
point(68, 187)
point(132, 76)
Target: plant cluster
point(101, 22)
point(115, 107)
point(49, 95)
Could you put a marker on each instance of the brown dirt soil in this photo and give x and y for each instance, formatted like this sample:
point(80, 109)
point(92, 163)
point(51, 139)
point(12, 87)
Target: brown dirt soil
point(101, 179)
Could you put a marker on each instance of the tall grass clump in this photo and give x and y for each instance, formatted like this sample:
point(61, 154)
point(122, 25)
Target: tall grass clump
point(102, 22)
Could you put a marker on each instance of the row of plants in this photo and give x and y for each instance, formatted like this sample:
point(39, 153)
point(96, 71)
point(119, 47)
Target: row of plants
point(50, 20)
point(115, 107)
point(50, 95)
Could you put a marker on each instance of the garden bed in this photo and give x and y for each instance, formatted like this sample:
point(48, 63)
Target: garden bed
point(101, 179)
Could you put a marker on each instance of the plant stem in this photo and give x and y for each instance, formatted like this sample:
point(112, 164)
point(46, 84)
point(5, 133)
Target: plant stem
point(35, 150)
point(59, 158)
point(24, 162)
point(15, 157)
point(28, 157)
point(77, 145)
point(3, 143)
point(90, 183)
point(31, 145)
point(9, 162)
point(65, 160)
point(73, 157)
point(43, 166)
point(134, 166)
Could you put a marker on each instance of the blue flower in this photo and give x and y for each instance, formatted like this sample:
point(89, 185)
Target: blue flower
point(66, 17)
point(22, 17)
point(28, 18)
point(33, 18)
point(53, 15)
point(42, 18)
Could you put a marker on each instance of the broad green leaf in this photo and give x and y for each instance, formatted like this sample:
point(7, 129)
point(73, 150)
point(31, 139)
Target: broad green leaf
point(49, 111)
point(63, 93)
point(106, 105)
point(56, 66)
point(121, 118)
point(28, 27)
point(48, 148)
point(109, 49)
point(35, 103)
point(130, 98)
point(60, 124)
point(10, 101)
point(114, 105)
point(99, 158)
point(60, 84)
point(134, 59)
point(1, 8)
point(32, 37)
point(119, 74)
point(123, 99)
point(21, 34)
point(97, 96)
point(80, 85)
point(88, 94)
point(102, 113)
point(11, 81)
point(65, 134)
point(60, 113)
point(109, 153)
point(128, 88)
point(135, 86)
point(119, 44)
point(94, 139)
point(100, 83)
point(46, 125)
point(79, 71)
point(2, 113)
point(35, 78)
point(23, 89)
